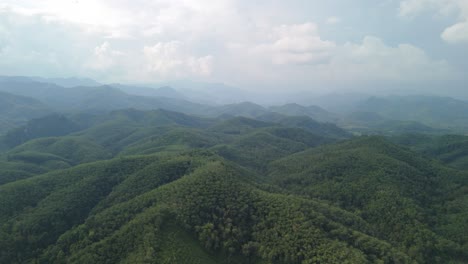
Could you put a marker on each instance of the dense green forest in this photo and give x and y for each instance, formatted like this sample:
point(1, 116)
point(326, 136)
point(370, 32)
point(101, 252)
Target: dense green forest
point(133, 186)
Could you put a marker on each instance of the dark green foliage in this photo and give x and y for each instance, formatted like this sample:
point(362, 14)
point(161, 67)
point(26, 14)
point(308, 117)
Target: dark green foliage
point(49, 126)
point(75, 150)
point(450, 149)
point(256, 150)
point(175, 139)
point(163, 187)
point(239, 125)
point(394, 190)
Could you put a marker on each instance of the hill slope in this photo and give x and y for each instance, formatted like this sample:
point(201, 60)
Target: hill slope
point(17, 110)
point(165, 187)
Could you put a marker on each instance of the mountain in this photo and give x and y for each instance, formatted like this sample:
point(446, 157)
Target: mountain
point(245, 109)
point(452, 150)
point(307, 123)
point(314, 112)
point(115, 177)
point(402, 196)
point(101, 98)
point(68, 82)
point(208, 93)
point(134, 186)
point(16, 110)
point(51, 125)
point(165, 91)
point(371, 123)
point(434, 111)
point(359, 201)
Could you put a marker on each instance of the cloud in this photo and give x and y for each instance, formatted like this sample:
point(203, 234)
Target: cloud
point(170, 60)
point(374, 60)
point(65, 48)
point(416, 7)
point(104, 57)
point(296, 44)
point(239, 42)
point(454, 34)
point(333, 20)
point(457, 33)
point(33, 44)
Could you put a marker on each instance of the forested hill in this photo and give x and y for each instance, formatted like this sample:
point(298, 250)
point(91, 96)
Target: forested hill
point(158, 186)
point(16, 110)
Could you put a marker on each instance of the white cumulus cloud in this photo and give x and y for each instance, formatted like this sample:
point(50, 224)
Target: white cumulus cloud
point(456, 33)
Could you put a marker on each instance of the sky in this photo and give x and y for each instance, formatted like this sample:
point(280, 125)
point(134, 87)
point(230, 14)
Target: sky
point(264, 45)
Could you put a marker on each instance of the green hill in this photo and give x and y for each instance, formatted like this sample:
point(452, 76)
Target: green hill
point(48, 126)
point(17, 110)
point(400, 194)
point(135, 186)
point(450, 149)
point(200, 200)
point(245, 109)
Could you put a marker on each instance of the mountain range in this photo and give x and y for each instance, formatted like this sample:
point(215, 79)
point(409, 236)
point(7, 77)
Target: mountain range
point(134, 186)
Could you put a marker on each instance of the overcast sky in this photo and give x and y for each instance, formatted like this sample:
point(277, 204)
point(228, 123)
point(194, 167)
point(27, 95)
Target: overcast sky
point(269, 44)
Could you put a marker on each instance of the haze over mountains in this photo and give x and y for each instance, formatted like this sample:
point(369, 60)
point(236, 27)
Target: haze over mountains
point(360, 112)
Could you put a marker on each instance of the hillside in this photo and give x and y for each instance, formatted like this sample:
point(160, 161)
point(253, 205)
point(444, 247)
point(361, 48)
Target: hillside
point(245, 109)
point(450, 149)
point(17, 110)
point(314, 112)
point(48, 126)
point(158, 186)
point(404, 198)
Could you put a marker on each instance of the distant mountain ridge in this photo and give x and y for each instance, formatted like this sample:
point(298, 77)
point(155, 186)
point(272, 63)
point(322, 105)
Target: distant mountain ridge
point(165, 91)
point(315, 112)
point(429, 110)
point(17, 110)
point(362, 115)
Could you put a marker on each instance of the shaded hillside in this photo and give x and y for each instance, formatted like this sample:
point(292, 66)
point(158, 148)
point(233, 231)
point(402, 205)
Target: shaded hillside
point(48, 126)
point(17, 110)
point(450, 149)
